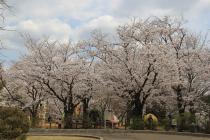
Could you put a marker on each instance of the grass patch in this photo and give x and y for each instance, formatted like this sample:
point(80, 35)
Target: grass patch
point(58, 138)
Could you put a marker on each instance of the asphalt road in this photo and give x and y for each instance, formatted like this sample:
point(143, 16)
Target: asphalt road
point(141, 136)
point(120, 134)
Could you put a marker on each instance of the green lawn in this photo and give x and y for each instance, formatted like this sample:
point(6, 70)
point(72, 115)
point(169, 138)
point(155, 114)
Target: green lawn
point(57, 138)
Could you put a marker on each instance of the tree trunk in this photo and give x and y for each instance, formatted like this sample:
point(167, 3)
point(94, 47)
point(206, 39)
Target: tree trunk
point(85, 102)
point(34, 119)
point(102, 118)
point(34, 116)
point(180, 105)
point(137, 107)
point(128, 115)
point(208, 124)
point(68, 118)
point(192, 112)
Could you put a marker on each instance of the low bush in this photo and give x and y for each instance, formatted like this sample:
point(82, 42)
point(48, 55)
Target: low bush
point(165, 124)
point(137, 124)
point(94, 117)
point(150, 124)
point(13, 123)
point(207, 130)
point(34, 123)
point(185, 122)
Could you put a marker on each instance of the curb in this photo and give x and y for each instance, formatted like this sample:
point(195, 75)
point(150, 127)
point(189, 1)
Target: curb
point(63, 134)
point(172, 133)
point(110, 131)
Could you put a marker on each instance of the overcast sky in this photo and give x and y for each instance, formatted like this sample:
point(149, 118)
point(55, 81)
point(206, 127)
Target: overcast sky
point(75, 19)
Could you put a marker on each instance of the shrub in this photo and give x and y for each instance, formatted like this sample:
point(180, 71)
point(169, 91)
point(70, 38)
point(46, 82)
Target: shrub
point(207, 130)
point(22, 137)
point(13, 122)
point(34, 123)
point(94, 117)
point(151, 126)
point(137, 124)
point(185, 122)
point(165, 124)
point(154, 121)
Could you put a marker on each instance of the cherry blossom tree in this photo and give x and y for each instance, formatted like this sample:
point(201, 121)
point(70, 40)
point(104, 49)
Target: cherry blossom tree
point(150, 55)
point(132, 65)
point(189, 62)
point(23, 91)
point(156, 59)
point(60, 68)
point(87, 89)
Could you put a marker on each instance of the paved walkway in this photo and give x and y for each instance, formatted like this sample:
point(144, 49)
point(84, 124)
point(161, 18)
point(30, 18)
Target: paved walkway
point(147, 136)
point(121, 135)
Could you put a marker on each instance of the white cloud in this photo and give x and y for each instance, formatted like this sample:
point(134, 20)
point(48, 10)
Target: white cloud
point(198, 8)
point(75, 19)
point(52, 28)
point(105, 23)
point(77, 9)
